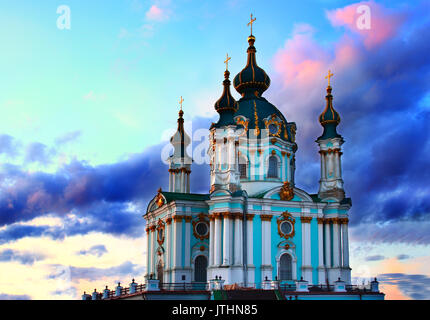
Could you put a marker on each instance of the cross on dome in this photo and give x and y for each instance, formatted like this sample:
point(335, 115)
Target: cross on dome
point(251, 22)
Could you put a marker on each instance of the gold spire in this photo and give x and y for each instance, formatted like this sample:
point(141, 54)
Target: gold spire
point(251, 22)
point(226, 62)
point(329, 76)
point(180, 102)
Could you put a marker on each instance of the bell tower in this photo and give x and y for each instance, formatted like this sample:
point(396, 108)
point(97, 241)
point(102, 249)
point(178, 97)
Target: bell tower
point(330, 143)
point(179, 161)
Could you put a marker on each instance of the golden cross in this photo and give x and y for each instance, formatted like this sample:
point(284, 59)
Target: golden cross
point(251, 22)
point(226, 62)
point(329, 76)
point(180, 102)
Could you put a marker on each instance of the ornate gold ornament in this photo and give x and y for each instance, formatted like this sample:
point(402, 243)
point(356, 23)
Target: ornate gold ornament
point(275, 122)
point(243, 123)
point(286, 217)
point(257, 129)
point(201, 218)
point(160, 198)
point(250, 216)
point(287, 192)
point(161, 231)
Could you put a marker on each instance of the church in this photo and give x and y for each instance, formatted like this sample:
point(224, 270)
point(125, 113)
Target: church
point(254, 228)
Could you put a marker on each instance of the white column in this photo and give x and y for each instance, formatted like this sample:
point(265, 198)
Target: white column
point(171, 182)
point(177, 244)
point(148, 250)
point(187, 262)
point(211, 240)
point(266, 239)
point(345, 244)
point(249, 238)
point(238, 251)
point(336, 244)
point(154, 249)
point(226, 239)
point(217, 241)
point(327, 244)
point(288, 169)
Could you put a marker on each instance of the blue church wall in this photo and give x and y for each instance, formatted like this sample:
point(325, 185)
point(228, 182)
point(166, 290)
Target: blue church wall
point(297, 239)
point(257, 248)
point(276, 238)
point(314, 250)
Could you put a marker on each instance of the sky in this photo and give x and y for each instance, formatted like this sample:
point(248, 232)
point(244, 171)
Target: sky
point(87, 108)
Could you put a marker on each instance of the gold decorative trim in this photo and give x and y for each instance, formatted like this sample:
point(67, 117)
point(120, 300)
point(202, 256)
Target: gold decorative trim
point(286, 216)
point(305, 219)
point(168, 221)
point(250, 216)
point(287, 192)
point(244, 123)
point(320, 220)
point(188, 218)
point(266, 217)
point(257, 129)
point(177, 218)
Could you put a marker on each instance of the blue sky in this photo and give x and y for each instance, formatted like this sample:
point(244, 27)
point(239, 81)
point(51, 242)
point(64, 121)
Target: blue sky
point(86, 114)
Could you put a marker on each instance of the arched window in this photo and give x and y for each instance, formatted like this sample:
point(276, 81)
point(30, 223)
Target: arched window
point(200, 269)
point(273, 167)
point(286, 267)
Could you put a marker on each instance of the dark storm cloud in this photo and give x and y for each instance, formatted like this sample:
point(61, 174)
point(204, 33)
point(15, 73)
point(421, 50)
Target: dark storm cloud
point(415, 286)
point(26, 258)
point(99, 197)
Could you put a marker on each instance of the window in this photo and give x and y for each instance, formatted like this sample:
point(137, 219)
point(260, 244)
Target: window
point(286, 267)
point(273, 167)
point(286, 227)
point(202, 228)
point(200, 269)
point(242, 170)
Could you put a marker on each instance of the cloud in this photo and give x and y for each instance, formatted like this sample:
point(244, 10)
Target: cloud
point(9, 146)
point(97, 250)
point(91, 273)
point(38, 152)
point(403, 257)
point(416, 286)
point(68, 137)
point(377, 257)
point(26, 258)
point(155, 13)
point(5, 296)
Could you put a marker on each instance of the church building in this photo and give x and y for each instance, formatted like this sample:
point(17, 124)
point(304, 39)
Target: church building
point(254, 229)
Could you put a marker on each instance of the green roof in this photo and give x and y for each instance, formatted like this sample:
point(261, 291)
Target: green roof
point(172, 196)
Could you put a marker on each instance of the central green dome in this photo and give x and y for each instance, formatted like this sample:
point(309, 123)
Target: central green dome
point(252, 78)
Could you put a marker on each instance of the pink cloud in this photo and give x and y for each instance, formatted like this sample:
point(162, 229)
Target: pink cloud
point(157, 14)
point(382, 23)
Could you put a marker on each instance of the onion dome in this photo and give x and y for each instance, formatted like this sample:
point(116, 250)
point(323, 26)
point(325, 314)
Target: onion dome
point(180, 140)
point(329, 118)
point(252, 79)
point(226, 106)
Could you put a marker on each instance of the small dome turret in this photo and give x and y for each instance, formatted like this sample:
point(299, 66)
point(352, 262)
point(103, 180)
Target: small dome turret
point(329, 118)
point(180, 140)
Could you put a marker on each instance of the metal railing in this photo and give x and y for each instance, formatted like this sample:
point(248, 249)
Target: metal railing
point(193, 286)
